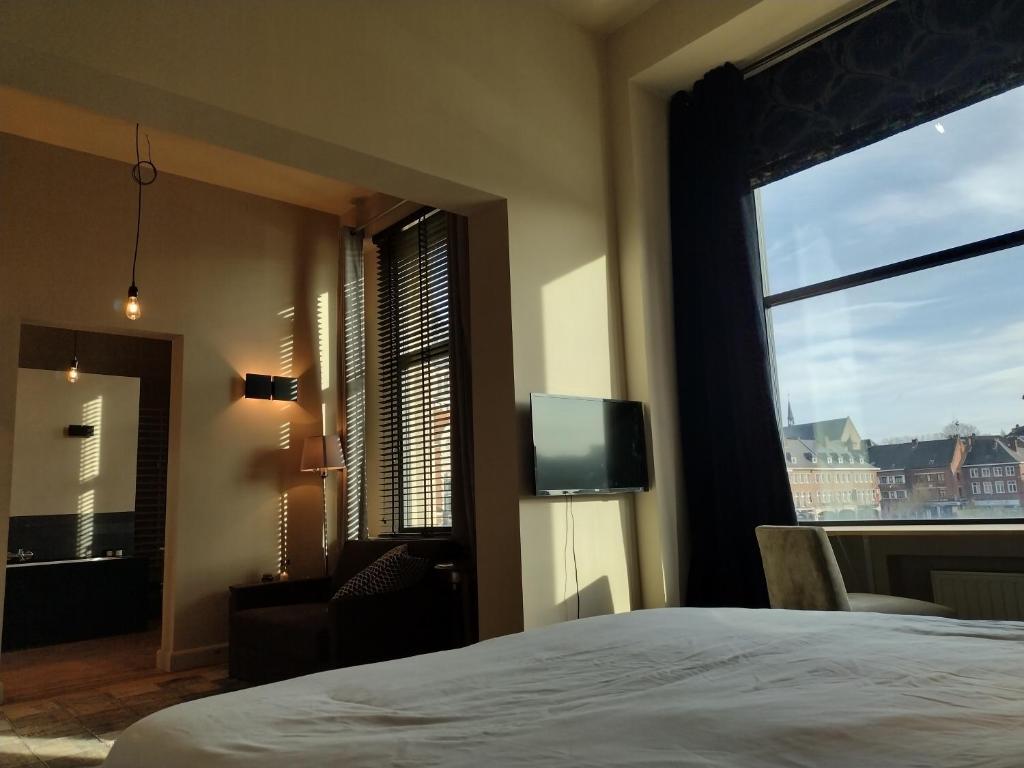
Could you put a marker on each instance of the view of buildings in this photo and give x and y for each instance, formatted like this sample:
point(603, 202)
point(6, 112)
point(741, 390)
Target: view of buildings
point(835, 474)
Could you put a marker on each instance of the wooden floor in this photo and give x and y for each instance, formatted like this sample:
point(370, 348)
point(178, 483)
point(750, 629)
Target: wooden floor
point(37, 673)
point(66, 704)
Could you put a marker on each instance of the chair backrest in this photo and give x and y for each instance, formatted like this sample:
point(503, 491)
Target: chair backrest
point(801, 569)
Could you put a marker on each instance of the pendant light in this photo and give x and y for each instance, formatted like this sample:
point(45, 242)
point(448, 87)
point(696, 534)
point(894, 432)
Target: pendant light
point(71, 374)
point(143, 174)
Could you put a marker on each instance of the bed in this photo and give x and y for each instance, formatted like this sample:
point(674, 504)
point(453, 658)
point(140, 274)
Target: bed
point(669, 687)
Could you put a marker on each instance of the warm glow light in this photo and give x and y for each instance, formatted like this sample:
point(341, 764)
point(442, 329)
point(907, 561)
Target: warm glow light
point(72, 372)
point(132, 308)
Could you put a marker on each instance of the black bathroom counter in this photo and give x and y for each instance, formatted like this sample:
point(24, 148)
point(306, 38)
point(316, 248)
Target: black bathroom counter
point(60, 601)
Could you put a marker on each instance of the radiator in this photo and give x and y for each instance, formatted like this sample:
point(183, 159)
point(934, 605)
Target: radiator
point(979, 595)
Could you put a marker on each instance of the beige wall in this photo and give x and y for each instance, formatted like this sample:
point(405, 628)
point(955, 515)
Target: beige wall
point(233, 279)
point(454, 103)
point(54, 474)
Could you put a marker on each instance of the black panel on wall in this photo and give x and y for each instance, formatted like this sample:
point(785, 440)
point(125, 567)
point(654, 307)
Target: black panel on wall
point(148, 360)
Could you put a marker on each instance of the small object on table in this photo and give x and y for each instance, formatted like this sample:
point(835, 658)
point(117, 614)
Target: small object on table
point(266, 578)
point(454, 574)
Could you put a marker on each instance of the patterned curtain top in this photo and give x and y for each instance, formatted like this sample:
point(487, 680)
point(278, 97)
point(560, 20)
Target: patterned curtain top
point(901, 66)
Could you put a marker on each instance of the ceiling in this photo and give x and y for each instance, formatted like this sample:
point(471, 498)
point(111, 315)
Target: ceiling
point(53, 122)
point(601, 16)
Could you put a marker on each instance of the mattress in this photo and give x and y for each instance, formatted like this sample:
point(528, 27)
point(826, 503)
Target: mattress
point(670, 687)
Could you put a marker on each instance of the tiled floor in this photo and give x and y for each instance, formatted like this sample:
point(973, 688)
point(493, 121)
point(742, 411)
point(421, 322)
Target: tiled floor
point(77, 729)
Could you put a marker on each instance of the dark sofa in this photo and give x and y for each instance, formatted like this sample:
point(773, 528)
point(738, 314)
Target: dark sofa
point(285, 629)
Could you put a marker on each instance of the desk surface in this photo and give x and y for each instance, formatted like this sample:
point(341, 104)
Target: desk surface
point(924, 530)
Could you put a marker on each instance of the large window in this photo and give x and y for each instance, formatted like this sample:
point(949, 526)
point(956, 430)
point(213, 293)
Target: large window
point(415, 371)
point(892, 279)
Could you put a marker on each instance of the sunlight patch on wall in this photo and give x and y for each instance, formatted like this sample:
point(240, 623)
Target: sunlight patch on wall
point(577, 359)
point(85, 515)
point(89, 462)
point(286, 349)
point(282, 533)
point(323, 335)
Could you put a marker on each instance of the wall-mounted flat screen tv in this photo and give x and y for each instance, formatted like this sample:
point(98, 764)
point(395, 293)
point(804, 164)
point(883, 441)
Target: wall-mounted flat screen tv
point(585, 445)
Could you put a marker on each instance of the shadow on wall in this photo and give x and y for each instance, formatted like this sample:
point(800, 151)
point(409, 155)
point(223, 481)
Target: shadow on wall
point(595, 599)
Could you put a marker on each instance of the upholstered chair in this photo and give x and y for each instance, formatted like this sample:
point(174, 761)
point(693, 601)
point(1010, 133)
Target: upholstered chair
point(802, 574)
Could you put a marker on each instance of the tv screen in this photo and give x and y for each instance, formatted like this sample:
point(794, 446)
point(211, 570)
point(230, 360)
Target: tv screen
point(587, 445)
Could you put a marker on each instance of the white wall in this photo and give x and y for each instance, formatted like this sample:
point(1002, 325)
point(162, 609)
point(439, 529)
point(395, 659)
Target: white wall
point(54, 474)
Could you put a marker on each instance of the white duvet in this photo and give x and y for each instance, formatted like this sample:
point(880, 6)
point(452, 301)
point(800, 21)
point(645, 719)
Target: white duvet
point(673, 687)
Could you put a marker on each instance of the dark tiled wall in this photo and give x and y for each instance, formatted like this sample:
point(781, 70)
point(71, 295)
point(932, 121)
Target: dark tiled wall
point(58, 537)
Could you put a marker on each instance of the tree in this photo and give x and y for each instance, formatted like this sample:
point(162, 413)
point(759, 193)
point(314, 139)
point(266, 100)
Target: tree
point(957, 428)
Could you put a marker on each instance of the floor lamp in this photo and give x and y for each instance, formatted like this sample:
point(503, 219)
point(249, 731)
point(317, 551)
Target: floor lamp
point(322, 453)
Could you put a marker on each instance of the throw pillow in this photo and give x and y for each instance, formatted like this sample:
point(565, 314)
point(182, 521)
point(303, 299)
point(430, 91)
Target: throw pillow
point(394, 570)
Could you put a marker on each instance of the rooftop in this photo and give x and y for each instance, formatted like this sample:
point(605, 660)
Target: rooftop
point(917, 454)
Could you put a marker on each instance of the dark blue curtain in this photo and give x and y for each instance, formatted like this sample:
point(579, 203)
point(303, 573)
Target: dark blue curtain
point(733, 464)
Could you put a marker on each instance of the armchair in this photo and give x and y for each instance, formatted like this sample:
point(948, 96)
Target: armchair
point(289, 628)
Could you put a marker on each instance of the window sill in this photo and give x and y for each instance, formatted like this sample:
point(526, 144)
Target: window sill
point(938, 529)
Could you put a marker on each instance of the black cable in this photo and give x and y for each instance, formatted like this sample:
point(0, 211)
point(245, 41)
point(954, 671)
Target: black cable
point(138, 178)
point(575, 567)
point(137, 175)
point(565, 559)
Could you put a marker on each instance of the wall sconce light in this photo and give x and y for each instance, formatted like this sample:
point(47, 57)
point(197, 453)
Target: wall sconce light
point(260, 387)
point(284, 388)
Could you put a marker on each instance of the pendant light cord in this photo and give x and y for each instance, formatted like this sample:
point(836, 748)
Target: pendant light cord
point(138, 217)
point(137, 176)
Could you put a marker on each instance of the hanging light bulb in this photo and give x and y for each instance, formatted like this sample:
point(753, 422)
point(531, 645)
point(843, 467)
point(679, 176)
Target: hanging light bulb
point(143, 174)
point(132, 308)
point(71, 374)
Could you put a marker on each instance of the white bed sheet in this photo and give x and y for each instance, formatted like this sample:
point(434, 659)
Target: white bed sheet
point(713, 688)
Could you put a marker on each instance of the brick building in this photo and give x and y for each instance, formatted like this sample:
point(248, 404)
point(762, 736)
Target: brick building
point(992, 475)
point(830, 474)
point(920, 480)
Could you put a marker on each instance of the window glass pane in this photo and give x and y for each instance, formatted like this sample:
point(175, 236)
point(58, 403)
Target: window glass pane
point(427, 444)
point(914, 193)
point(903, 360)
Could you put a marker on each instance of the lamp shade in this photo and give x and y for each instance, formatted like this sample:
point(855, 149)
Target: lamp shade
point(322, 452)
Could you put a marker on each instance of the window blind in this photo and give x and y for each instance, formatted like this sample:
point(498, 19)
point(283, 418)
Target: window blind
point(415, 374)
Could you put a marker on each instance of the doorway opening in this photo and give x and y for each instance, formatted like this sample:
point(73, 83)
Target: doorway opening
point(85, 560)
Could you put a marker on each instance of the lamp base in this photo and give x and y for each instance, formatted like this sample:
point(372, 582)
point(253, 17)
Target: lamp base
point(323, 531)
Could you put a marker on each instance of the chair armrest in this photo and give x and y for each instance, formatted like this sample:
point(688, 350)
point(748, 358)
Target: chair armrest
point(271, 593)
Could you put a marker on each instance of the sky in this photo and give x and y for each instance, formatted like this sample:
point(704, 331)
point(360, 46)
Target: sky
point(906, 356)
